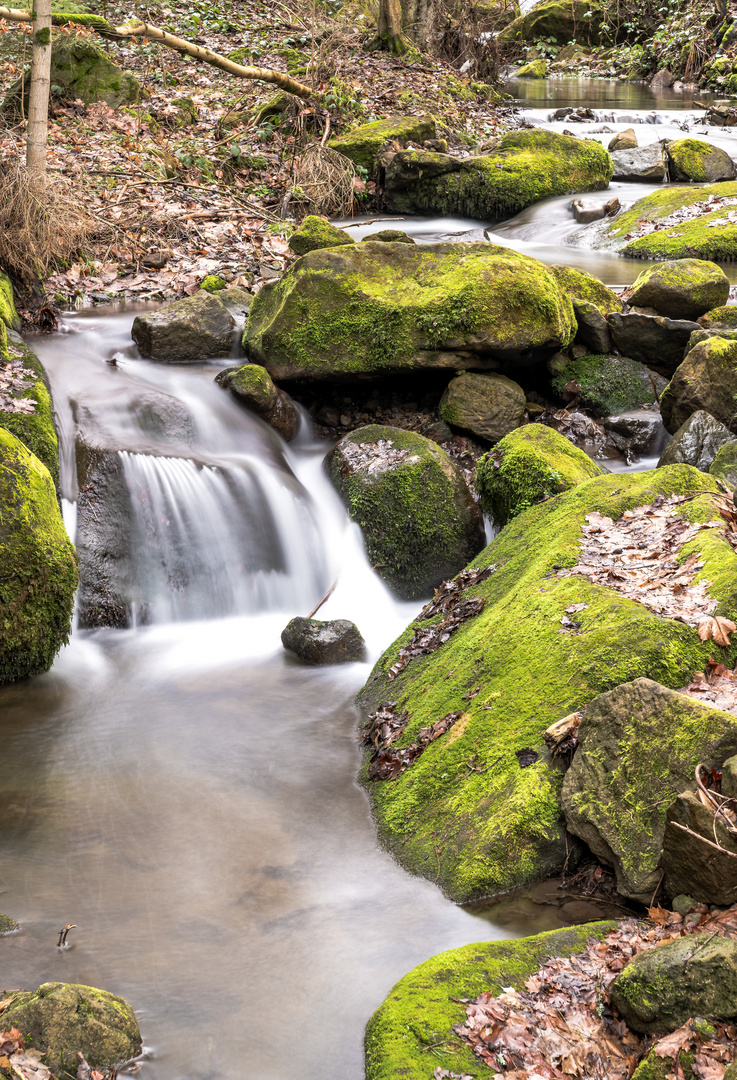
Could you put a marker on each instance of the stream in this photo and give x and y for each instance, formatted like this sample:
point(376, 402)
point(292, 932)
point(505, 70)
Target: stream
point(183, 791)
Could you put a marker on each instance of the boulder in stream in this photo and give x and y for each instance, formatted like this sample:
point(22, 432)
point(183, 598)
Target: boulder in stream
point(336, 641)
point(705, 380)
point(623, 140)
point(197, 328)
point(697, 442)
point(315, 233)
point(702, 162)
point(252, 386)
point(653, 340)
point(609, 384)
point(419, 521)
point(489, 406)
point(643, 163)
point(720, 318)
point(680, 288)
point(724, 465)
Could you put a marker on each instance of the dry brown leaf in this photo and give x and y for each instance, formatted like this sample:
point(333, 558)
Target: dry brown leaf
point(717, 629)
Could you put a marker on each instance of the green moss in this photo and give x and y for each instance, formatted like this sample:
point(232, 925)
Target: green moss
point(363, 144)
point(8, 314)
point(563, 21)
point(422, 1009)
point(466, 815)
point(80, 18)
point(213, 284)
point(609, 384)
point(79, 69)
point(7, 925)
point(4, 354)
point(536, 69)
point(36, 430)
point(582, 286)
point(690, 160)
point(724, 465)
point(724, 316)
point(315, 233)
point(42, 36)
point(38, 575)
point(658, 1068)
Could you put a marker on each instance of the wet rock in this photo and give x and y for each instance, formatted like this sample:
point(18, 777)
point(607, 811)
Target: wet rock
point(38, 575)
point(609, 384)
point(637, 431)
point(662, 987)
point(705, 380)
point(724, 465)
point(699, 161)
point(315, 233)
point(662, 80)
point(336, 641)
point(238, 302)
point(645, 163)
point(623, 760)
point(64, 1018)
point(199, 327)
point(489, 406)
point(623, 140)
point(704, 868)
point(593, 329)
point(586, 214)
point(696, 442)
point(419, 521)
point(720, 318)
point(536, 69)
point(680, 288)
point(162, 420)
point(652, 339)
point(253, 387)
point(79, 69)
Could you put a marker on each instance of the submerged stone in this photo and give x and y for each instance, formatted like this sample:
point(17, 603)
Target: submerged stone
point(697, 442)
point(199, 327)
point(253, 387)
point(336, 641)
point(489, 406)
point(680, 288)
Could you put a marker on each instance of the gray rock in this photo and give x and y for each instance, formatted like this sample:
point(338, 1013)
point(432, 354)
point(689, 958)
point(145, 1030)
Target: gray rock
point(698, 866)
point(238, 302)
point(729, 777)
point(638, 431)
point(652, 339)
point(253, 387)
point(623, 140)
point(696, 442)
point(489, 406)
point(706, 379)
point(593, 329)
point(680, 288)
point(646, 163)
point(336, 641)
point(661, 988)
point(662, 80)
point(199, 327)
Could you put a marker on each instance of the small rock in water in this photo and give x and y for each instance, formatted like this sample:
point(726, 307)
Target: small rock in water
point(337, 641)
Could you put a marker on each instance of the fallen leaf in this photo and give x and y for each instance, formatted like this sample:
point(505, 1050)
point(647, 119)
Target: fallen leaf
point(717, 629)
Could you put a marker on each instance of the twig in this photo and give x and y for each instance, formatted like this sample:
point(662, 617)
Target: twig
point(327, 596)
point(703, 839)
point(372, 221)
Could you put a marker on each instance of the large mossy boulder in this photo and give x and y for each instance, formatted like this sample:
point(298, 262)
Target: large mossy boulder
point(680, 288)
point(79, 69)
point(254, 389)
point(639, 746)
point(424, 1007)
point(582, 286)
point(374, 308)
point(419, 521)
point(470, 813)
point(610, 384)
point(8, 314)
point(315, 233)
point(706, 380)
point(724, 465)
point(199, 327)
point(363, 145)
point(38, 570)
point(702, 162)
point(63, 1018)
point(655, 228)
point(662, 988)
point(536, 69)
point(529, 465)
point(489, 406)
point(35, 429)
point(525, 167)
point(697, 442)
point(562, 21)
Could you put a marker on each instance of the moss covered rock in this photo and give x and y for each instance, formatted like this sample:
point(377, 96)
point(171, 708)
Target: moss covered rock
point(639, 745)
point(8, 314)
point(489, 406)
point(79, 69)
point(466, 814)
point(707, 379)
point(662, 988)
point(196, 328)
point(529, 465)
point(371, 308)
point(419, 521)
point(536, 69)
point(422, 1009)
point(62, 1018)
point(363, 144)
point(724, 465)
point(336, 641)
point(213, 283)
point(610, 384)
point(315, 233)
point(562, 20)
point(38, 571)
point(694, 159)
point(724, 317)
point(7, 925)
point(252, 386)
point(705, 872)
point(389, 236)
point(582, 286)
point(525, 167)
point(36, 430)
point(680, 288)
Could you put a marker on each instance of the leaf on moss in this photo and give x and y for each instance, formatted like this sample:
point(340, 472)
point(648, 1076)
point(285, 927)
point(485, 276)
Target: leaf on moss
point(717, 629)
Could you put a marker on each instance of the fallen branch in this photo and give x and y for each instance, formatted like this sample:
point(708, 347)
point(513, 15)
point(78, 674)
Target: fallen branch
point(326, 597)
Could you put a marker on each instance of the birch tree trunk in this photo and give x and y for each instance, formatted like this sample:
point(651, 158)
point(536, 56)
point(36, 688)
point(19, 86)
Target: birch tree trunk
point(38, 105)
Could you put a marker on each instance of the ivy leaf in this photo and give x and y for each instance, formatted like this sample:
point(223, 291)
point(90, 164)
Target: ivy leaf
point(716, 628)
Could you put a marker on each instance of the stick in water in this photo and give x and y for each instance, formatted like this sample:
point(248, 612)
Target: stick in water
point(327, 596)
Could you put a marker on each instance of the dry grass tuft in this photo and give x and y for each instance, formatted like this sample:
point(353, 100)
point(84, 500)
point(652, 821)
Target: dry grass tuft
point(38, 229)
point(323, 180)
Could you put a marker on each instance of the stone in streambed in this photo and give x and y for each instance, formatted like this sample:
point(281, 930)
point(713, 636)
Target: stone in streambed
point(623, 140)
point(253, 387)
point(585, 287)
point(637, 431)
point(724, 465)
point(720, 318)
point(315, 233)
point(706, 380)
point(699, 161)
point(662, 987)
point(705, 864)
point(654, 340)
point(593, 329)
point(419, 521)
point(643, 163)
point(63, 1018)
point(336, 641)
point(680, 288)
point(610, 384)
point(489, 406)
point(696, 442)
point(199, 327)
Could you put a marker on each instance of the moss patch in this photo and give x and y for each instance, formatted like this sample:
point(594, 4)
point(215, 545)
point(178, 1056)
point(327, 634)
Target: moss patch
point(582, 286)
point(719, 317)
point(8, 314)
point(36, 430)
point(466, 815)
point(702, 162)
point(315, 233)
point(363, 144)
point(609, 384)
point(7, 925)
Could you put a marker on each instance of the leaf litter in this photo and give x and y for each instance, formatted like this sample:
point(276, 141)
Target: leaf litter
point(562, 1024)
point(14, 378)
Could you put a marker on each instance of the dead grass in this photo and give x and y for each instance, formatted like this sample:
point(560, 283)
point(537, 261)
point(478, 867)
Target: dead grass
point(323, 182)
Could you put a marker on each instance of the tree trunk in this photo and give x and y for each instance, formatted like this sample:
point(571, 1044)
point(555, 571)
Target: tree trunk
point(418, 23)
point(38, 105)
point(390, 27)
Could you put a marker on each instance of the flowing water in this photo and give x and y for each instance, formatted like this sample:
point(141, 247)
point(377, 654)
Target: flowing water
point(183, 790)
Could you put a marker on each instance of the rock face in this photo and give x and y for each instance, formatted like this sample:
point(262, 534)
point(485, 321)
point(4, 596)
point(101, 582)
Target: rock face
point(610, 384)
point(315, 233)
point(626, 772)
point(526, 166)
point(62, 1018)
point(706, 868)
point(530, 465)
point(337, 641)
point(501, 827)
point(253, 387)
point(196, 328)
point(645, 163)
point(559, 20)
point(696, 442)
point(693, 159)
point(372, 308)
point(79, 69)
point(363, 144)
point(658, 342)
point(419, 521)
point(662, 987)
point(489, 406)
point(706, 380)
point(681, 288)
point(38, 573)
